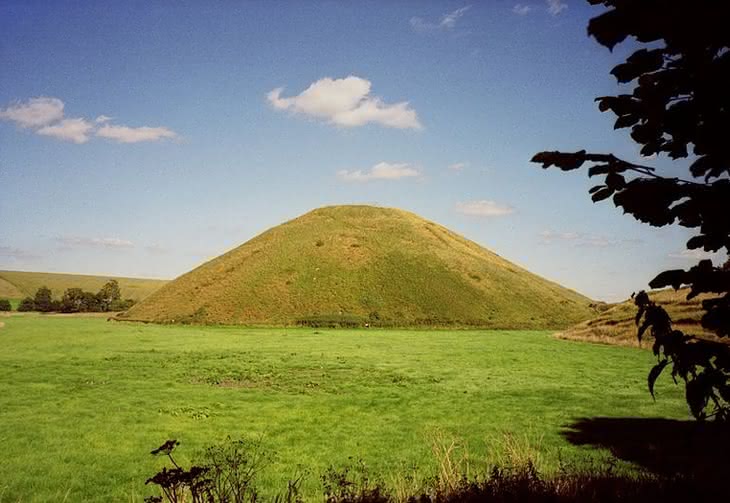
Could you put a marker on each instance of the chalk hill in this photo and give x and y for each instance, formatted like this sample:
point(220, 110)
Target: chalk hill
point(357, 264)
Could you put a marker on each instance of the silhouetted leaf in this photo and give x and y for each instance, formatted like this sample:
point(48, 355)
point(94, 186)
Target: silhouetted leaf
point(602, 194)
point(674, 278)
point(697, 397)
point(562, 160)
point(654, 374)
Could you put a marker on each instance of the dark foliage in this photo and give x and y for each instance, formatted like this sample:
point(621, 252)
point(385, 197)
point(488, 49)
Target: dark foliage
point(76, 300)
point(43, 300)
point(27, 304)
point(109, 294)
point(5, 305)
point(227, 475)
point(679, 106)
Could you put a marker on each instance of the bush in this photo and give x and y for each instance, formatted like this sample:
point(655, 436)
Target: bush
point(331, 321)
point(27, 304)
point(5, 305)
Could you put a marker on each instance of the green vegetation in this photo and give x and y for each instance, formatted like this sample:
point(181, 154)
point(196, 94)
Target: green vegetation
point(83, 400)
point(617, 323)
point(15, 285)
point(75, 300)
point(381, 266)
point(5, 305)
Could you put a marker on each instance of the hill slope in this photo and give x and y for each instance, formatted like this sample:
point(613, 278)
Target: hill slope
point(616, 324)
point(18, 284)
point(384, 265)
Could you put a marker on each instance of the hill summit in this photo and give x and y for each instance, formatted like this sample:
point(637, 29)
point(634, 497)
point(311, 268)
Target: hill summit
point(351, 265)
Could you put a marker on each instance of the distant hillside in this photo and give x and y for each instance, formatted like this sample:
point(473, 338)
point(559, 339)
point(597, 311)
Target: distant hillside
point(616, 324)
point(19, 284)
point(361, 263)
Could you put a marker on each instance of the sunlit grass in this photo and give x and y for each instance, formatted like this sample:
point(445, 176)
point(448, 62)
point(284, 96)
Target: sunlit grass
point(83, 401)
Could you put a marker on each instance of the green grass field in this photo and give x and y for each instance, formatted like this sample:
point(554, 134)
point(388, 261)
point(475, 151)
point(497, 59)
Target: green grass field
point(83, 401)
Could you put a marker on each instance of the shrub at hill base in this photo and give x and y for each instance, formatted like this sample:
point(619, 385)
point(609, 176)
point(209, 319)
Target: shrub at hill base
point(26, 305)
point(679, 106)
point(5, 305)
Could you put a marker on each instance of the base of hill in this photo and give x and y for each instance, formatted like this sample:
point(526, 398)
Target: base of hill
point(616, 324)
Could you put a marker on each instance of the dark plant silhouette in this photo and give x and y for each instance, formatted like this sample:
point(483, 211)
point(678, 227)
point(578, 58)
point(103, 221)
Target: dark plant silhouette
point(175, 483)
point(227, 474)
point(679, 106)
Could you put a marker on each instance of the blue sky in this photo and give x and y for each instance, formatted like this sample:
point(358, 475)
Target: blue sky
point(143, 138)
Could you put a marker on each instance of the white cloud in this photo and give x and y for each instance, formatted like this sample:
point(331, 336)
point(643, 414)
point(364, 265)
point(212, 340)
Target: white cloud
point(381, 171)
point(346, 102)
point(126, 134)
point(73, 130)
point(34, 113)
point(94, 242)
point(457, 166)
point(555, 7)
point(484, 208)
point(521, 10)
point(46, 117)
point(447, 21)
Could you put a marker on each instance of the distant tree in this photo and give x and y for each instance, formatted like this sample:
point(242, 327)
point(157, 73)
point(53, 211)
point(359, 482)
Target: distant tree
point(109, 294)
point(5, 305)
point(90, 303)
point(43, 300)
point(72, 300)
point(678, 106)
point(27, 304)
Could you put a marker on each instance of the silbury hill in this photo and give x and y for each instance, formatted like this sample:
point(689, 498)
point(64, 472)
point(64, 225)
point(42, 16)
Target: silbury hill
point(352, 265)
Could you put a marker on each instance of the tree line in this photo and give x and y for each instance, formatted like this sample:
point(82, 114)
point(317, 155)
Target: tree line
point(75, 300)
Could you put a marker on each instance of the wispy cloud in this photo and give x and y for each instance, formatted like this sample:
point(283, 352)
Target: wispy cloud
point(94, 242)
point(34, 113)
point(346, 102)
point(17, 253)
point(521, 10)
point(45, 116)
point(381, 171)
point(484, 208)
point(697, 254)
point(555, 7)
point(581, 239)
point(157, 249)
point(447, 22)
point(457, 166)
point(126, 134)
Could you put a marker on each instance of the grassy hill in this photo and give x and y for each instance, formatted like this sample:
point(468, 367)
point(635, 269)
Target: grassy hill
point(616, 324)
point(18, 284)
point(362, 263)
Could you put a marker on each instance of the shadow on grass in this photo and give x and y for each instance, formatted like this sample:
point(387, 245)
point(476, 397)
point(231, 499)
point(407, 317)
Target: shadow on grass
point(663, 446)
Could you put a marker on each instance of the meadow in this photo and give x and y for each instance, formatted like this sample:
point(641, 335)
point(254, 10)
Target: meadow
point(84, 400)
